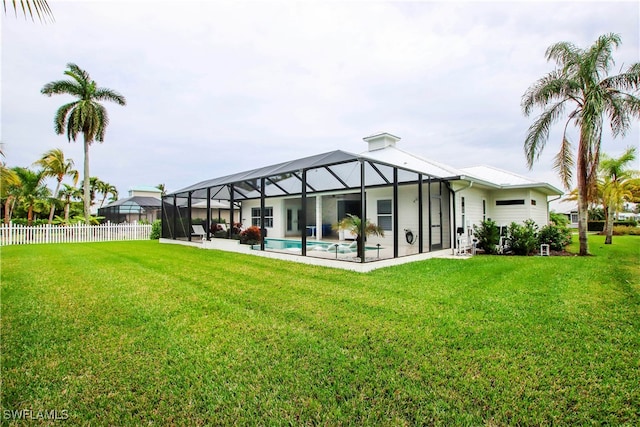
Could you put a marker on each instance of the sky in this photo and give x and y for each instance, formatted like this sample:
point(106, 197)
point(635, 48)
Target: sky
point(215, 88)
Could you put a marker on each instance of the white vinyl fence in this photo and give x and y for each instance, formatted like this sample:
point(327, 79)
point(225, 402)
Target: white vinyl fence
point(14, 234)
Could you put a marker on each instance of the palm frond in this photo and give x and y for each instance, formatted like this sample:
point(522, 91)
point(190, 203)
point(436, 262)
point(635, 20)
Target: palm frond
point(538, 132)
point(104, 94)
point(30, 7)
point(61, 117)
point(62, 87)
point(555, 86)
point(564, 162)
point(565, 54)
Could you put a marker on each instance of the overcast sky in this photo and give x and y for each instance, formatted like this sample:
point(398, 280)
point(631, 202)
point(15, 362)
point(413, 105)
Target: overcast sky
point(220, 87)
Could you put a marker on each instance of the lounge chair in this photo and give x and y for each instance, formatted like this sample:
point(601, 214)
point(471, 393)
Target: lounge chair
point(198, 230)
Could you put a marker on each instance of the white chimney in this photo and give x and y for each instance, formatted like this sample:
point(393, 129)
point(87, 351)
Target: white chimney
point(381, 140)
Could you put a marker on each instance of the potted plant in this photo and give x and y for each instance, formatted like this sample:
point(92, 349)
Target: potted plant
point(353, 224)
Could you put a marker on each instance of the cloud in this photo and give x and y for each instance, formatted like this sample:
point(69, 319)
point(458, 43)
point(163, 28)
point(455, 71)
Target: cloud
point(219, 87)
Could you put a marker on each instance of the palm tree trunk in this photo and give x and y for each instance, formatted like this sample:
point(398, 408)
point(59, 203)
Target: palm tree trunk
point(66, 211)
point(609, 224)
point(85, 186)
point(583, 194)
point(30, 216)
point(8, 209)
point(53, 205)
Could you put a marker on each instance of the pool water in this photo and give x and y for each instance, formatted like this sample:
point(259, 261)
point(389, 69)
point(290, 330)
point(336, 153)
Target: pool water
point(270, 243)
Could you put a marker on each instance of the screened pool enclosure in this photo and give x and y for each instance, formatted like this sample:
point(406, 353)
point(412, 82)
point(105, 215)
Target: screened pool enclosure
point(298, 204)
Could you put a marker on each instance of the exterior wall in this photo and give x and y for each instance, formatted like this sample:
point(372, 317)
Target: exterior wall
point(144, 193)
point(279, 215)
point(505, 215)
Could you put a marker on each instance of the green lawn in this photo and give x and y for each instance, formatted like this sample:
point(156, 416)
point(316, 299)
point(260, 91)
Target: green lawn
point(134, 333)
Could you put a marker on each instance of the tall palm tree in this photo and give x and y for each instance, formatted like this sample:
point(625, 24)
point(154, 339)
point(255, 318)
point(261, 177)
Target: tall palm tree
point(54, 164)
point(31, 7)
point(85, 115)
point(616, 177)
point(31, 189)
point(581, 82)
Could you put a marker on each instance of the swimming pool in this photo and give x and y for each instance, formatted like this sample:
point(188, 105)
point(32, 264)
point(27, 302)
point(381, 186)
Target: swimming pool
point(284, 244)
point(288, 244)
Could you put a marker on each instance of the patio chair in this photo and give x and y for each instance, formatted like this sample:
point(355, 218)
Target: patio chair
point(198, 230)
point(347, 249)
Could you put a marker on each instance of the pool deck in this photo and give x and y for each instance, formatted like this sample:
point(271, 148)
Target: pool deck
point(347, 262)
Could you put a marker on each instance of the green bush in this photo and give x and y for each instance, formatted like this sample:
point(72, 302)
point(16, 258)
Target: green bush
point(556, 236)
point(156, 229)
point(599, 225)
point(523, 239)
point(623, 230)
point(488, 235)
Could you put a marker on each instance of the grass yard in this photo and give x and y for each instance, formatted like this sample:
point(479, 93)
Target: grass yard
point(134, 333)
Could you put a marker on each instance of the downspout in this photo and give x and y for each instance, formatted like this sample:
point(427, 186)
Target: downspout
point(548, 212)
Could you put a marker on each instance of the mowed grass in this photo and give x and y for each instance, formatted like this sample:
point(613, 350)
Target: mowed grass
point(135, 333)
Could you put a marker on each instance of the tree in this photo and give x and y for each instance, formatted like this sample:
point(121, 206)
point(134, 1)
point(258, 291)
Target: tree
point(31, 7)
point(31, 190)
point(162, 188)
point(67, 193)
point(55, 165)
point(106, 189)
point(9, 182)
point(85, 115)
point(616, 178)
point(353, 223)
point(581, 82)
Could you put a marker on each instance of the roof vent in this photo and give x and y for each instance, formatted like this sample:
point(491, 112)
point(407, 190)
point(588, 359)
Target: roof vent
point(381, 140)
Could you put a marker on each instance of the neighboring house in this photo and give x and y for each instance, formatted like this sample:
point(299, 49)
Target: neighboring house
point(143, 203)
point(569, 209)
point(420, 204)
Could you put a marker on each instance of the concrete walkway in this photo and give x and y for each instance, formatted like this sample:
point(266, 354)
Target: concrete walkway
point(235, 246)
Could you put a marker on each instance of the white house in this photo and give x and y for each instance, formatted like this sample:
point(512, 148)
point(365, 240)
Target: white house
point(421, 205)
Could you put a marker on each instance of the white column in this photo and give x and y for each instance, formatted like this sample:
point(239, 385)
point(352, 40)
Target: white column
point(318, 217)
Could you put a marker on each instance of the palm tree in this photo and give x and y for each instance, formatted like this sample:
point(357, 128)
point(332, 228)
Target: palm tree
point(581, 82)
point(9, 182)
point(162, 188)
point(85, 115)
point(353, 223)
point(106, 189)
point(67, 193)
point(616, 178)
point(31, 7)
point(31, 190)
point(55, 165)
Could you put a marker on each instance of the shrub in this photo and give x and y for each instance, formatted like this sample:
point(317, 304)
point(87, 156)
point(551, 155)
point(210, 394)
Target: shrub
point(556, 236)
point(623, 230)
point(559, 219)
point(156, 229)
point(523, 239)
point(251, 236)
point(488, 235)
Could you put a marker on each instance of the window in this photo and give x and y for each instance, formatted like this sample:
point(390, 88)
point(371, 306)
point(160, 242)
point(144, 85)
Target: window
point(484, 210)
point(385, 215)
point(533, 202)
point(464, 223)
point(268, 217)
point(509, 202)
point(574, 217)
